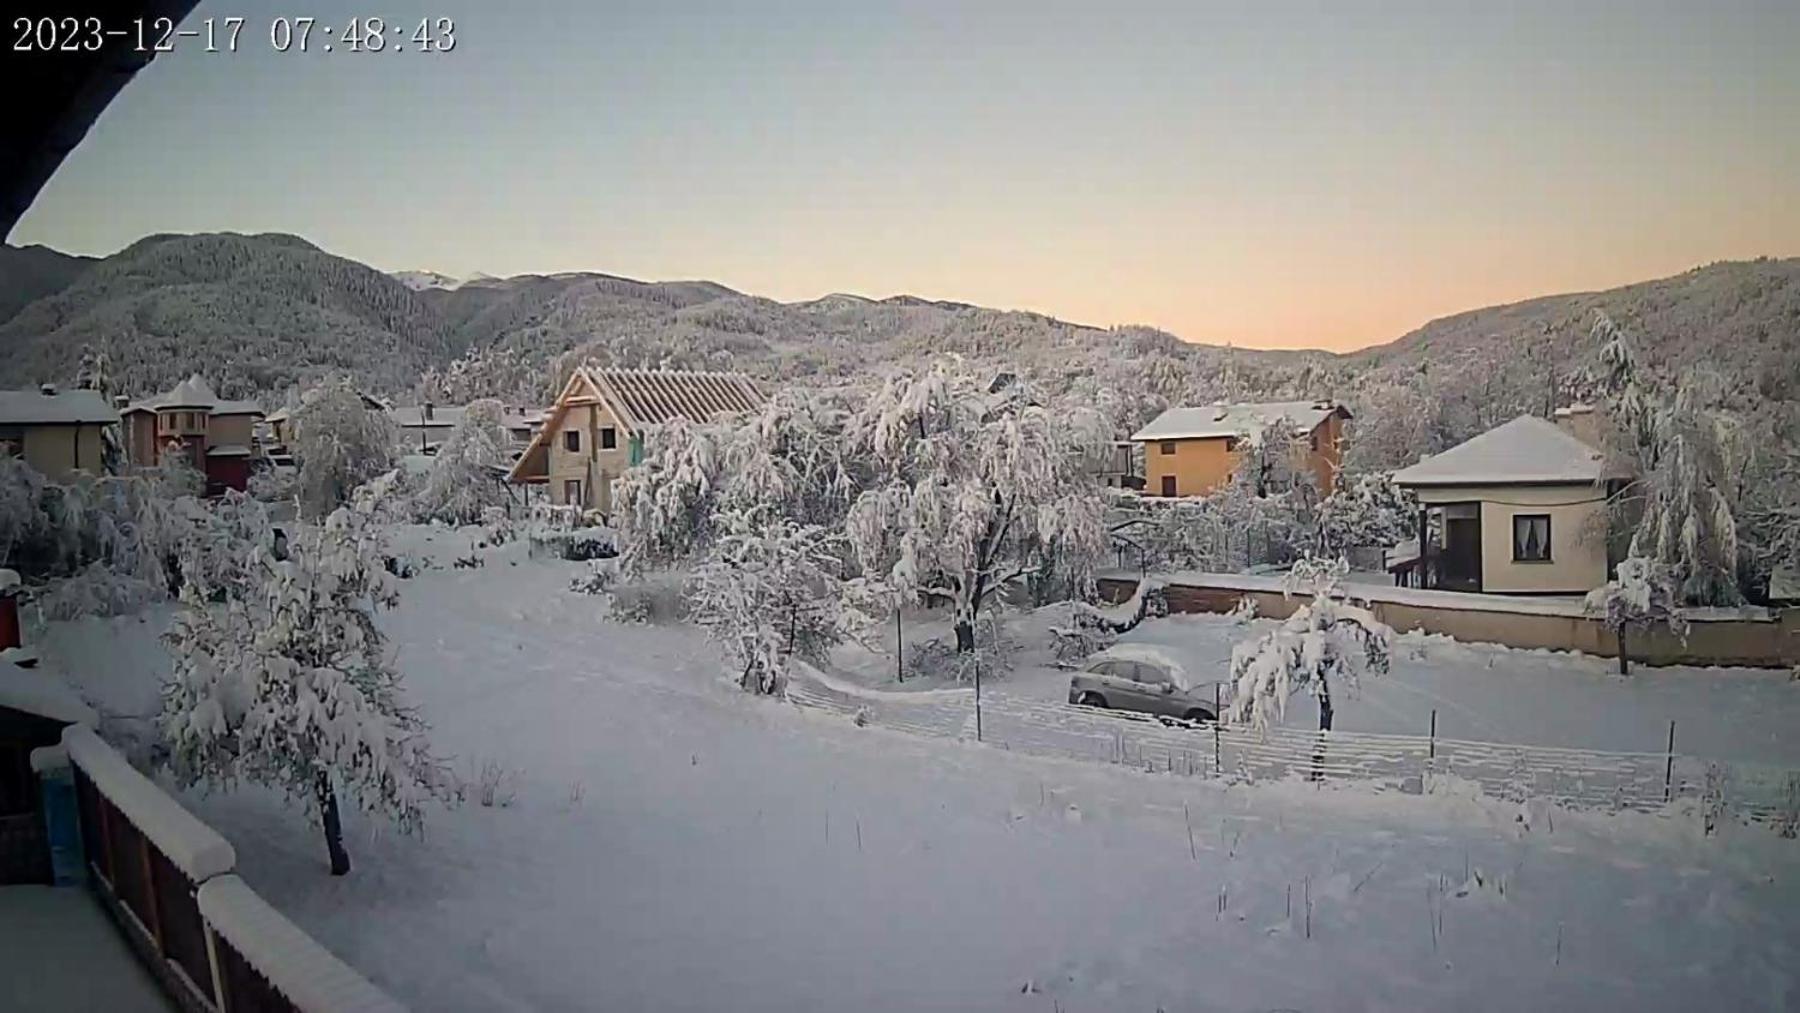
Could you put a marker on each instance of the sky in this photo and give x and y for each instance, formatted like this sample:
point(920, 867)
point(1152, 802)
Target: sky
point(1273, 174)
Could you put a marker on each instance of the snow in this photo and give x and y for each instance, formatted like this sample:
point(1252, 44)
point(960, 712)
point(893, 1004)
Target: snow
point(678, 844)
point(1150, 654)
point(297, 966)
point(1527, 449)
point(33, 407)
point(63, 953)
point(9, 580)
point(1570, 606)
point(194, 848)
point(1211, 421)
point(37, 691)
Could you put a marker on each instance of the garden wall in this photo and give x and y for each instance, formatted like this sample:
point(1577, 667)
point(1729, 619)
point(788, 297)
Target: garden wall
point(1750, 637)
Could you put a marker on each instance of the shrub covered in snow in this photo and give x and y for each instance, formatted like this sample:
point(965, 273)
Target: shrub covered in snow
point(287, 683)
point(1372, 510)
point(1322, 648)
point(1641, 595)
point(468, 475)
point(766, 592)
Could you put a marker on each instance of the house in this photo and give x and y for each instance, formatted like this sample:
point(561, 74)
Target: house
point(1520, 509)
point(595, 430)
point(57, 432)
point(424, 427)
point(1192, 451)
point(217, 436)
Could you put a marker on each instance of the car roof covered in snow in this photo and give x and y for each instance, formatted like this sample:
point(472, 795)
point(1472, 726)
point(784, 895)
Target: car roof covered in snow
point(1149, 654)
point(1243, 419)
point(1526, 451)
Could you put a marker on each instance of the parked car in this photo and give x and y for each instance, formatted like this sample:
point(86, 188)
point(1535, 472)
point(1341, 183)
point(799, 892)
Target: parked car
point(1136, 677)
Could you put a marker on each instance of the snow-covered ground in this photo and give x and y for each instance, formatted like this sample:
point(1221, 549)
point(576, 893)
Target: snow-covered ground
point(675, 844)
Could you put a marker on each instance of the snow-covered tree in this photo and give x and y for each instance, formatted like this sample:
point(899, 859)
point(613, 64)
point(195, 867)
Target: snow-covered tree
point(973, 488)
point(1690, 456)
point(1372, 510)
point(339, 443)
point(1322, 649)
point(1642, 594)
point(666, 504)
point(769, 590)
point(286, 682)
point(468, 474)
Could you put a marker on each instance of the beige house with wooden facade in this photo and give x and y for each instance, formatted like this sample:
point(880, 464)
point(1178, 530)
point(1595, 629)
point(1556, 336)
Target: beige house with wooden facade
point(596, 428)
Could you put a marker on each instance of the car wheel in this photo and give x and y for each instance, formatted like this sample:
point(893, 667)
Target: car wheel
point(1092, 700)
point(1197, 715)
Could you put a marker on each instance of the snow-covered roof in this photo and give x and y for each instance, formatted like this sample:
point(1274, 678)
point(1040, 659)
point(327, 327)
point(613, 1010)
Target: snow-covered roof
point(36, 691)
point(69, 407)
point(413, 416)
point(194, 848)
point(1149, 654)
point(195, 393)
point(1526, 451)
point(228, 450)
point(1243, 419)
point(292, 962)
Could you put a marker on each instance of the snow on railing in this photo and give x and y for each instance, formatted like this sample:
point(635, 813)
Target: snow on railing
point(153, 862)
point(254, 937)
point(1572, 778)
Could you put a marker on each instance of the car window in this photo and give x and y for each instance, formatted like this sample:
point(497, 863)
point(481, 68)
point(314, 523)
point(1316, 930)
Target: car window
point(1152, 674)
point(1103, 668)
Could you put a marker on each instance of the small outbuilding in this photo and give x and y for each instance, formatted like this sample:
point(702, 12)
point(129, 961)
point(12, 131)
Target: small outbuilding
point(1520, 509)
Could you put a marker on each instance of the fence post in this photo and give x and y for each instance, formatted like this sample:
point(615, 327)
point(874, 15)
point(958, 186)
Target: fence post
point(1217, 717)
point(1669, 765)
point(1432, 748)
point(977, 694)
point(899, 649)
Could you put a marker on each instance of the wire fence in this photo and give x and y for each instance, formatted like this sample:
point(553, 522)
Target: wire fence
point(1584, 779)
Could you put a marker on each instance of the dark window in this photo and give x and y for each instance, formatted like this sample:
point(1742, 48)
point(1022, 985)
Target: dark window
point(12, 441)
point(1231, 444)
point(1166, 447)
point(609, 438)
point(1168, 485)
point(572, 440)
point(572, 491)
point(1531, 538)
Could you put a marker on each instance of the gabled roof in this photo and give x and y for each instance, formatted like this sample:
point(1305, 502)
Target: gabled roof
point(639, 398)
point(69, 407)
point(413, 416)
point(1526, 451)
point(648, 397)
point(1243, 419)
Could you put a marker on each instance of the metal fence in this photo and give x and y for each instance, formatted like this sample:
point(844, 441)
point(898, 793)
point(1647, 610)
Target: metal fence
point(1583, 779)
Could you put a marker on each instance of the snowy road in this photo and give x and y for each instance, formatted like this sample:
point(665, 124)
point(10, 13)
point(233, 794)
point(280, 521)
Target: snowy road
point(676, 845)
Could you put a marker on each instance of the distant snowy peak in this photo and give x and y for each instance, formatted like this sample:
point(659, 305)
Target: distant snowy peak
point(419, 281)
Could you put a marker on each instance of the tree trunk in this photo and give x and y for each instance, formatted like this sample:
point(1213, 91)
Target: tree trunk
point(1624, 659)
point(1325, 711)
point(965, 636)
point(334, 830)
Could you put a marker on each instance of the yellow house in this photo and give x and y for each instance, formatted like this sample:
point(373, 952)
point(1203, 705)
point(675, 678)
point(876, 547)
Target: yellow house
point(595, 430)
point(58, 433)
point(1520, 509)
point(1192, 451)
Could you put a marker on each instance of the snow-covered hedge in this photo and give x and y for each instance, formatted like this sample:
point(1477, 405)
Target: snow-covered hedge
point(192, 846)
point(294, 964)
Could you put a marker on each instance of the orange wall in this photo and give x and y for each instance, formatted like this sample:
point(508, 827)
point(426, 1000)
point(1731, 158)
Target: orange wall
point(1202, 465)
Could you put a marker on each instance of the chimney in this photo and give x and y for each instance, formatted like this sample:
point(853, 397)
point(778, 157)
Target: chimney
point(1583, 422)
point(121, 402)
point(428, 411)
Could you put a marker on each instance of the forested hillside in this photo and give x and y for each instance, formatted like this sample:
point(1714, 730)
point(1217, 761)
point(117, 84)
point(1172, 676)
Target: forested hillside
point(259, 314)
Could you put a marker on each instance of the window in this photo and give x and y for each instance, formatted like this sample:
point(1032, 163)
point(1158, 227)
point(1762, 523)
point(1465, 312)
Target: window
point(572, 440)
point(1166, 447)
point(609, 438)
point(1168, 485)
point(1531, 538)
point(1231, 444)
point(12, 441)
point(1149, 674)
point(572, 492)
